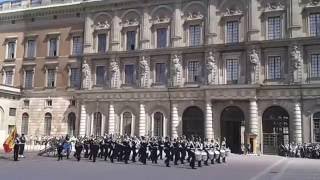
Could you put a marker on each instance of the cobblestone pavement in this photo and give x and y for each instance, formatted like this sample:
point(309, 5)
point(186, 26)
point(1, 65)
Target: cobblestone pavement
point(238, 167)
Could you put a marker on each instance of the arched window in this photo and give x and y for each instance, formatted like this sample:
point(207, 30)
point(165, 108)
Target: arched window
point(47, 124)
point(97, 121)
point(158, 124)
point(316, 127)
point(25, 123)
point(127, 123)
point(71, 124)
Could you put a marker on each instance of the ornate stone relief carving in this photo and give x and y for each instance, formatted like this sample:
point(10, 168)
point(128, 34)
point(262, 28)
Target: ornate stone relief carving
point(160, 20)
point(144, 71)
point(114, 73)
point(255, 66)
point(130, 22)
point(233, 12)
point(176, 70)
point(86, 75)
point(211, 68)
point(191, 16)
point(275, 6)
point(314, 3)
point(102, 26)
point(297, 62)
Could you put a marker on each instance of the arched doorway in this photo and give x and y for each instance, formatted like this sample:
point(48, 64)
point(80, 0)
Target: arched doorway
point(97, 122)
point(316, 127)
point(47, 124)
point(71, 124)
point(127, 123)
point(25, 124)
point(157, 124)
point(275, 125)
point(193, 122)
point(233, 127)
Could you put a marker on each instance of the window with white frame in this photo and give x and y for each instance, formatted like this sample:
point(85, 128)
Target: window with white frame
point(129, 74)
point(274, 27)
point(193, 71)
point(314, 20)
point(316, 127)
point(315, 65)
point(100, 75)
point(162, 37)
point(8, 77)
point(51, 78)
point(11, 51)
point(28, 79)
point(274, 67)
point(232, 31)
point(194, 35)
point(102, 43)
point(131, 40)
point(53, 47)
point(160, 71)
point(31, 48)
point(232, 69)
point(74, 77)
point(77, 42)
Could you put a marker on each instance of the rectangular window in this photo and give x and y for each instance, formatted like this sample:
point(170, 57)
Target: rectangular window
point(274, 67)
point(314, 20)
point(232, 71)
point(53, 47)
point(100, 75)
point(51, 78)
point(161, 37)
point(131, 40)
point(102, 43)
point(48, 103)
point(129, 74)
point(28, 81)
point(315, 65)
point(9, 78)
point(194, 35)
point(160, 73)
point(74, 78)
point(77, 45)
point(26, 103)
point(232, 31)
point(193, 71)
point(274, 28)
point(11, 50)
point(12, 111)
point(31, 48)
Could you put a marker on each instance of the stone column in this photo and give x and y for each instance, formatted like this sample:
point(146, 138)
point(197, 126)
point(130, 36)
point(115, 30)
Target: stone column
point(116, 33)
point(253, 117)
point(295, 19)
point(174, 121)
point(209, 121)
point(83, 119)
point(254, 21)
point(112, 121)
point(297, 123)
point(88, 34)
point(177, 26)
point(142, 120)
point(145, 29)
point(103, 123)
point(212, 22)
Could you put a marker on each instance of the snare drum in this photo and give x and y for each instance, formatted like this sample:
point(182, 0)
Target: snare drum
point(211, 155)
point(204, 156)
point(198, 155)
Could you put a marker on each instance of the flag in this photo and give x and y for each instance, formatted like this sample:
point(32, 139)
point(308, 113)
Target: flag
point(9, 143)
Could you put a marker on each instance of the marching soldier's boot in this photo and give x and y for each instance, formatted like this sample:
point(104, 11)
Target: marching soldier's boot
point(199, 163)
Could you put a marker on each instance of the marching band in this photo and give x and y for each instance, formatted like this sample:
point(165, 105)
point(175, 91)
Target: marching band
point(126, 148)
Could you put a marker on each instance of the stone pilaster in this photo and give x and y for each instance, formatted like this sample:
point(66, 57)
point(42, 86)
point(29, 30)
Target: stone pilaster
point(253, 117)
point(174, 121)
point(145, 29)
point(116, 33)
point(142, 120)
point(112, 122)
point(295, 19)
point(88, 34)
point(83, 119)
point(209, 121)
point(297, 123)
point(254, 21)
point(212, 22)
point(177, 26)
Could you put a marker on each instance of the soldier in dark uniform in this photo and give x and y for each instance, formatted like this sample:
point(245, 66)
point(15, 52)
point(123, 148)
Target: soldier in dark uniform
point(86, 147)
point(94, 150)
point(78, 147)
point(167, 150)
point(134, 150)
point(191, 154)
point(22, 140)
point(113, 153)
point(101, 145)
point(183, 151)
point(16, 148)
point(107, 145)
point(59, 150)
point(127, 150)
point(143, 151)
point(160, 144)
point(90, 147)
point(154, 150)
point(176, 151)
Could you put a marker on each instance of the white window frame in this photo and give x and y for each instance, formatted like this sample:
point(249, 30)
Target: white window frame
point(124, 34)
point(194, 23)
point(49, 37)
point(24, 79)
point(72, 44)
point(34, 38)
point(164, 129)
point(132, 123)
point(104, 76)
point(134, 74)
point(107, 33)
point(267, 68)
point(9, 40)
point(271, 14)
point(55, 78)
point(155, 73)
point(239, 18)
point(187, 72)
point(73, 66)
point(227, 56)
point(8, 68)
point(311, 11)
point(281, 52)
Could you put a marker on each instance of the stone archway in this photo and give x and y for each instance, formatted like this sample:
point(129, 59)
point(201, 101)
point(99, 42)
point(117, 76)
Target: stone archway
point(71, 123)
point(232, 127)
point(193, 122)
point(275, 125)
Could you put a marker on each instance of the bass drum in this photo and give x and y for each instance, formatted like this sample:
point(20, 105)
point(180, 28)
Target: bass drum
point(198, 155)
point(204, 155)
point(211, 155)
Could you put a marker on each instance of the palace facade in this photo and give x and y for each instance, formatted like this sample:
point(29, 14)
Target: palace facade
point(247, 70)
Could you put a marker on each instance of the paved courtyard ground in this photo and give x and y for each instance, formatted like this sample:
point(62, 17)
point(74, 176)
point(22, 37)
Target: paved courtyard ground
point(238, 167)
